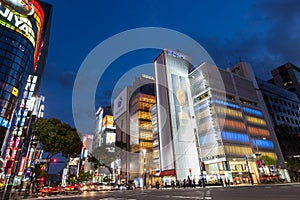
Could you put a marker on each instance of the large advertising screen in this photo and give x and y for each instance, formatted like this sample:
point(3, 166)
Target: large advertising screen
point(182, 108)
point(108, 122)
point(25, 17)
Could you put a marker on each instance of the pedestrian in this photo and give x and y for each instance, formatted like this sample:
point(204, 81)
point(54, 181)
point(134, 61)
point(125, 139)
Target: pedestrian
point(184, 183)
point(157, 185)
point(189, 181)
point(199, 182)
point(194, 182)
point(221, 181)
point(173, 184)
point(203, 182)
point(228, 182)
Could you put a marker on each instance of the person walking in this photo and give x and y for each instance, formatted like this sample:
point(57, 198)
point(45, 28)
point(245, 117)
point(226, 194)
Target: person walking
point(199, 182)
point(194, 182)
point(203, 182)
point(221, 181)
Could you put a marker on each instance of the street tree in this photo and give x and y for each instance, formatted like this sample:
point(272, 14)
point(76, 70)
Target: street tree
point(268, 160)
point(57, 137)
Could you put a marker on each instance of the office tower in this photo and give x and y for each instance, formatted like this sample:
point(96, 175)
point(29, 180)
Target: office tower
point(284, 109)
point(175, 117)
point(24, 41)
point(233, 124)
point(287, 76)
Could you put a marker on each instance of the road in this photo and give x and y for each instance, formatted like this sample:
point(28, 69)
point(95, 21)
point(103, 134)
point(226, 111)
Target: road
point(262, 192)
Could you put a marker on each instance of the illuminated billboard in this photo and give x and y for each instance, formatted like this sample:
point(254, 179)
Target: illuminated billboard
point(99, 120)
point(26, 18)
point(108, 122)
point(110, 138)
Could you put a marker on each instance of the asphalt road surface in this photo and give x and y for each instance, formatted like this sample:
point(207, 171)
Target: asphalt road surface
point(262, 192)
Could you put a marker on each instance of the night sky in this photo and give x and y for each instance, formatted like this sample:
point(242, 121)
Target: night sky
point(264, 33)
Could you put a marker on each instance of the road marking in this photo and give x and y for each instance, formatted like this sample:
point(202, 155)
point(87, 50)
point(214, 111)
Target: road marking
point(185, 197)
point(207, 198)
point(285, 187)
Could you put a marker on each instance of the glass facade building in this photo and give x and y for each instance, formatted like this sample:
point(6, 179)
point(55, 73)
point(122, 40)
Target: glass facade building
point(232, 124)
point(17, 47)
point(24, 40)
point(175, 117)
point(283, 107)
point(141, 100)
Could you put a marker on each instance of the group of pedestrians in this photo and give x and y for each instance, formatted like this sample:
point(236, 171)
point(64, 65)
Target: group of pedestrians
point(225, 182)
point(192, 183)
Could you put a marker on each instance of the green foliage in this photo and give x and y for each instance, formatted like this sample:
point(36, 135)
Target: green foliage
point(84, 176)
point(39, 173)
point(268, 160)
point(292, 164)
point(95, 162)
point(57, 137)
point(72, 179)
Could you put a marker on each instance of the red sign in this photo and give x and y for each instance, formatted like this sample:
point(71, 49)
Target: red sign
point(170, 172)
point(21, 170)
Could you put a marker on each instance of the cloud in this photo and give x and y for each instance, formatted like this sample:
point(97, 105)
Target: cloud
point(270, 43)
point(284, 27)
point(67, 79)
point(64, 78)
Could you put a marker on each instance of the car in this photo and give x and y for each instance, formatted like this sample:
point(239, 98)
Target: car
point(51, 190)
point(73, 188)
point(104, 187)
point(115, 187)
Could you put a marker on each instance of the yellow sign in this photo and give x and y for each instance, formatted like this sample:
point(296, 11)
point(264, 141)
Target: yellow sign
point(15, 91)
point(108, 120)
point(16, 21)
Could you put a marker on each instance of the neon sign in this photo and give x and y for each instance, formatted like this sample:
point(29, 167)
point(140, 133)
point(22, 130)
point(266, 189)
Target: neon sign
point(16, 21)
point(24, 7)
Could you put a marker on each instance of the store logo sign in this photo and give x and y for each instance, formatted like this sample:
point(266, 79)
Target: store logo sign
point(19, 22)
point(120, 102)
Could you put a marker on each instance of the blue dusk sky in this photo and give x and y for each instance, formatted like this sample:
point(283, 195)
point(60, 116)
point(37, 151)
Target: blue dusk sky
point(264, 33)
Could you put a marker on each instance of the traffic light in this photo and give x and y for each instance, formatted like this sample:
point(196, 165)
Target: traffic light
point(42, 179)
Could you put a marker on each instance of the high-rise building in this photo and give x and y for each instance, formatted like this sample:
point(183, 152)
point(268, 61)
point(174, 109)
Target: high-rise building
point(141, 100)
point(24, 40)
point(284, 109)
point(175, 117)
point(122, 122)
point(134, 138)
point(104, 143)
point(156, 159)
point(287, 76)
point(233, 123)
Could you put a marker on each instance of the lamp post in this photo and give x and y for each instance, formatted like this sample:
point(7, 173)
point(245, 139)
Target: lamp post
point(144, 153)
